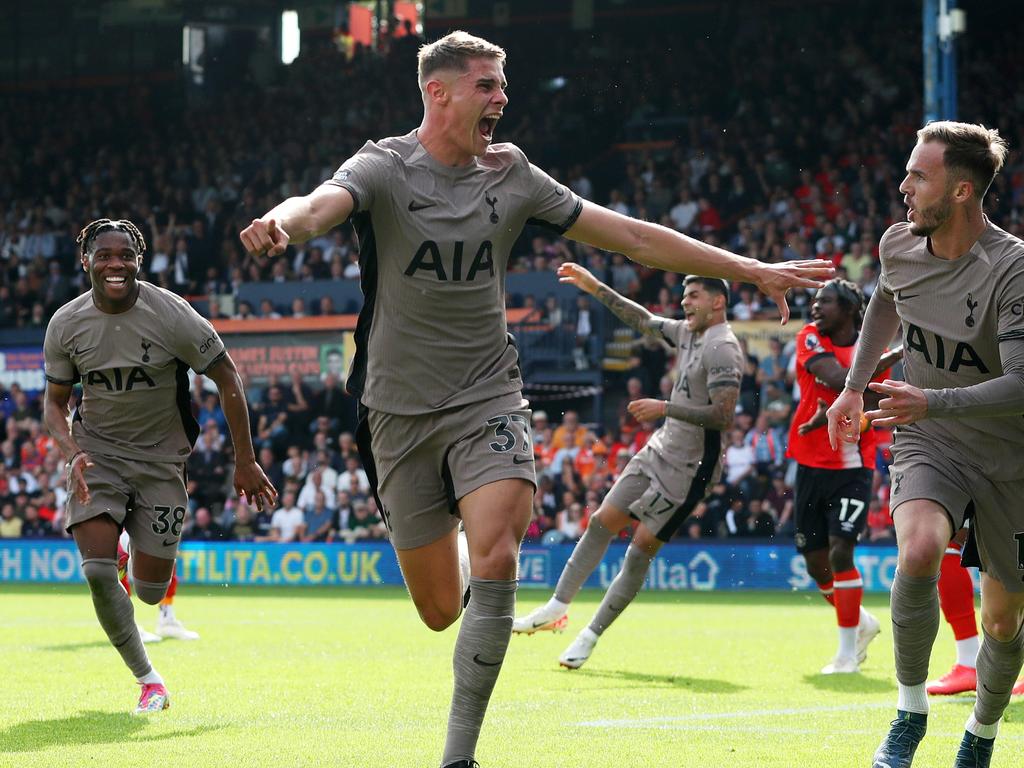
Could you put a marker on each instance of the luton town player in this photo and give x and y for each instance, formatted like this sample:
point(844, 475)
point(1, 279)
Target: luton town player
point(833, 489)
point(444, 428)
point(131, 345)
point(673, 472)
point(956, 283)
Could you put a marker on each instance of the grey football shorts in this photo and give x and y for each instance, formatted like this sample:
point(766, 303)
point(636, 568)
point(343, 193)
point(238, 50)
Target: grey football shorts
point(147, 499)
point(422, 465)
point(635, 494)
point(996, 539)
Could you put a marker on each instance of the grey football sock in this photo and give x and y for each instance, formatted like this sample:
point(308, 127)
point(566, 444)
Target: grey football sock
point(479, 653)
point(115, 612)
point(584, 559)
point(915, 623)
point(998, 667)
point(624, 587)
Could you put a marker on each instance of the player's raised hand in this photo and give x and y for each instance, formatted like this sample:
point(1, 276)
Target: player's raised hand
point(647, 409)
point(265, 236)
point(254, 485)
point(844, 418)
point(574, 274)
point(904, 404)
point(775, 279)
point(79, 463)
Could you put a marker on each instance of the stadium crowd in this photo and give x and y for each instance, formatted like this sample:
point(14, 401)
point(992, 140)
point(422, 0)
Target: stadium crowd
point(792, 146)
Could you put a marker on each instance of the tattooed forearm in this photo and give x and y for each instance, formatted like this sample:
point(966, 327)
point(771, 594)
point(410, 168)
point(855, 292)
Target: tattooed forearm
point(718, 415)
point(629, 312)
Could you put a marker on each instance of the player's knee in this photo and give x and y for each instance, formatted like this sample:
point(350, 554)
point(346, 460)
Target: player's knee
point(1003, 627)
point(499, 562)
point(920, 555)
point(100, 574)
point(151, 592)
point(436, 617)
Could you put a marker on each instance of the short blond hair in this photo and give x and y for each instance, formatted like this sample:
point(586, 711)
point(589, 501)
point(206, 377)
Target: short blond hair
point(454, 51)
point(973, 152)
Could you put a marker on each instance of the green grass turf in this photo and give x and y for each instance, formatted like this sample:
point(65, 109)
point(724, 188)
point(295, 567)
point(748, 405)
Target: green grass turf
point(315, 677)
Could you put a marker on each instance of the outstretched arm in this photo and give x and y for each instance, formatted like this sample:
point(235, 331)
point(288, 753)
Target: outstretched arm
point(656, 246)
point(629, 312)
point(298, 219)
point(250, 481)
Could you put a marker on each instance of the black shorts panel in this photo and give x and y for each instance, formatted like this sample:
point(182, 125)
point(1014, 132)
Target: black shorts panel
point(830, 503)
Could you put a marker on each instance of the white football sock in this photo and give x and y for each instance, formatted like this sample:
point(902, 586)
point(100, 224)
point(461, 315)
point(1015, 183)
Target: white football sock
point(967, 652)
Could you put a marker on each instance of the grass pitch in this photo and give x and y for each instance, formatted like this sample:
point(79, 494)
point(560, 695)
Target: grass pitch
point(346, 677)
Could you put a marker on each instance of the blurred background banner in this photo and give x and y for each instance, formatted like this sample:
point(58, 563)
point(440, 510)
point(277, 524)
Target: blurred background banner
point(678, 567)
point(22, 366)
point(312, 355)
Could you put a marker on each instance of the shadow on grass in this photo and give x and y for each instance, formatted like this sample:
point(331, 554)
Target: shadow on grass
point(849, 683)
point(695, 684)
point(74, 646)
point(86, 728)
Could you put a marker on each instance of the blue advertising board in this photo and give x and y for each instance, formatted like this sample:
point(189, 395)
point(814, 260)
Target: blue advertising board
point(700, 566)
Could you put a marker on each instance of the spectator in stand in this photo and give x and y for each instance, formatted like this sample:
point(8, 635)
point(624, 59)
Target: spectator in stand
point(34, 527)
point(299, 308)
point(779, 500)
point(322, 479)
point(747, 307)
point(319, 520)
point(296, 466)
point(332, 402)
point(207, 469)
point(245, 526)
point(272, 468)
point(354, 473)
point(363, 523)
point(204, 527)
point(288, 521)
point(684, 212)
point(739, 464)
point(268, 311)
point(570, 433)
point(10, 523)
point(569, 522)
point(272, 425)
point(244, 311)
point(347, 448)
point(769, 448)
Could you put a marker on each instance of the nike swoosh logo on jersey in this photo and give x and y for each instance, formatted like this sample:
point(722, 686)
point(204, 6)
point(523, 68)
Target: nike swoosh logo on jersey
point(170, 542)
point(515, 460)
point(483, 663)
point(904, 296)
point(414, 206)
point(83, 351)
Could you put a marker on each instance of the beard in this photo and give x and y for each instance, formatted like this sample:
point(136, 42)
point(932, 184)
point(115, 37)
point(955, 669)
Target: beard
point(931, 218)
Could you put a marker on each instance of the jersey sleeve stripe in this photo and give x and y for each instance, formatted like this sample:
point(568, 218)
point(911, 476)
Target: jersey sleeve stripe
point(346, 186)
point(55, 380)
point(818, 356)
point(713, 384)
point(1019, 334)
point(213, 362)
point(563, 228)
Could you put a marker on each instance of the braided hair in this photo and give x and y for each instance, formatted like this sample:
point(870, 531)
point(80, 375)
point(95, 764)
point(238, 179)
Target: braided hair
point(91, 230)
point(850, 295)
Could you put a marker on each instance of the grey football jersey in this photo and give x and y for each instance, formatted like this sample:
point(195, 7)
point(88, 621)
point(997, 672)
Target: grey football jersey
point(704, 361)
point(434, 250)
point(134, 372)
point(954, 314)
